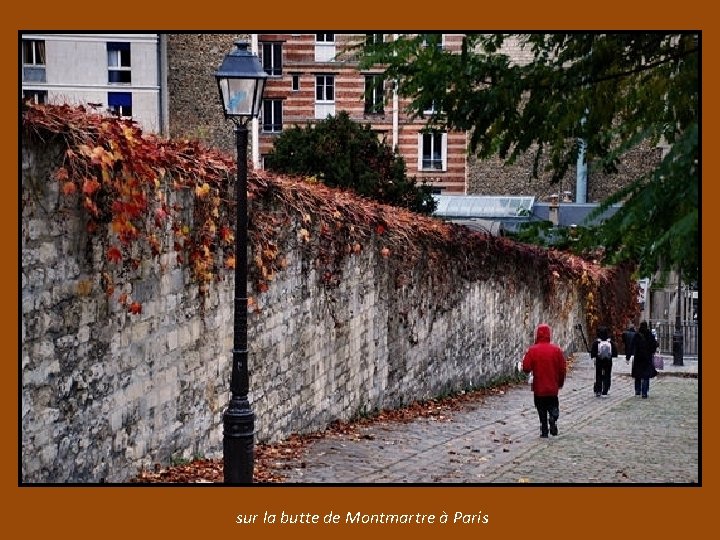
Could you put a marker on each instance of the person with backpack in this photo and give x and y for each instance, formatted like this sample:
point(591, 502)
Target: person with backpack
point(545, 361)
point(644, 346)
point(603, 351)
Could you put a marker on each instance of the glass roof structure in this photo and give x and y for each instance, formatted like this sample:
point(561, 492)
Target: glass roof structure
point(473, 206)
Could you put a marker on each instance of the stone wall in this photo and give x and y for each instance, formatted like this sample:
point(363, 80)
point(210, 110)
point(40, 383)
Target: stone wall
point(193, 97)
point(493, 177)
point(105, 392)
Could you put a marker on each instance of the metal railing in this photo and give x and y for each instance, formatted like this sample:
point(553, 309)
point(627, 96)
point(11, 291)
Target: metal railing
point(665, 330)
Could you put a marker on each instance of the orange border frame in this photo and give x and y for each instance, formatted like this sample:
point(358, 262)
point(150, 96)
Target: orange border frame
point(158, 511)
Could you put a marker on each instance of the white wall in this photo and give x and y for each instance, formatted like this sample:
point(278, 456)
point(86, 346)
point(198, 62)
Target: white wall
point(76, 72)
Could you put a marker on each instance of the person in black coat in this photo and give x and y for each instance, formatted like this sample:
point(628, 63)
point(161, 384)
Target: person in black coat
point(603, 365)
point(644, 346)
point(627, 338)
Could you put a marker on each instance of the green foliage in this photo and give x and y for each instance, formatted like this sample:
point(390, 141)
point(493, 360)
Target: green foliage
point(343, 153)
point(611, 90)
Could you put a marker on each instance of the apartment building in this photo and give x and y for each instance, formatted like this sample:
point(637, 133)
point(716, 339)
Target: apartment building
point(119, 73)
point(312, 76)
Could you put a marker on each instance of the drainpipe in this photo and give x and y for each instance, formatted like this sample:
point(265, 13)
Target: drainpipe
point(395, 118)
point(581, 181)
point(255, 127)
point(163, 103)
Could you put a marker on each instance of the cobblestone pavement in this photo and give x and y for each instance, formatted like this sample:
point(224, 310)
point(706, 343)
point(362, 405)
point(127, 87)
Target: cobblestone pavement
point(618, 438)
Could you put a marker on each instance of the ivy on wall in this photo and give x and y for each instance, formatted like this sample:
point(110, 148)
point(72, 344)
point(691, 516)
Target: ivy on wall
point(125, 182)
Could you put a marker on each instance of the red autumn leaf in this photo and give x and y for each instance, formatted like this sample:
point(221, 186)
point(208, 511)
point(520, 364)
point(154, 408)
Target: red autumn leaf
point(114, 254)
point(90, 186)
point(380, 229)
point(226, 234)
point(135, 308)
point(62, 174)
point(122, 298)
point(160, 215)
point(69, 188)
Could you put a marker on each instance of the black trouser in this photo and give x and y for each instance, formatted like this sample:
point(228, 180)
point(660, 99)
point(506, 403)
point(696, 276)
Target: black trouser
point(603, 370)
point(547, 405)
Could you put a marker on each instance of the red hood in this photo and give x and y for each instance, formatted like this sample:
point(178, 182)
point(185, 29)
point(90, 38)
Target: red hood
point(542, 334)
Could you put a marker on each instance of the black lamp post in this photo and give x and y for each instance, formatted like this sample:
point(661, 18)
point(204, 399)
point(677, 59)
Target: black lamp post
point(678, 338)
point(241, 81)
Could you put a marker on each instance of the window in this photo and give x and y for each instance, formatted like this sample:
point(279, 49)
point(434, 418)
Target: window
point(324, 96)
point(272, 58)
point(325, 88)
point(272, 115)
point(433, 39)
point(432, 155)
point(324, 47)
point(430, 110)
point(35, 96)
point(374, 94)
point(119, 63)
point(120, 103)
point(296, 83)
point(33, 52)
point(371, 39)
point(33, 60)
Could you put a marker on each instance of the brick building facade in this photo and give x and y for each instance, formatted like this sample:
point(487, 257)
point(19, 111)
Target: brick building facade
point(316, 75)
point(312, 75)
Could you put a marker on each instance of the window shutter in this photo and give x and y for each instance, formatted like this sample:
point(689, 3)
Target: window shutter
point(444, 151)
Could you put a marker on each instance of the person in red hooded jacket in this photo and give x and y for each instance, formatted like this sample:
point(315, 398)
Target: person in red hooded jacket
point(546, 361)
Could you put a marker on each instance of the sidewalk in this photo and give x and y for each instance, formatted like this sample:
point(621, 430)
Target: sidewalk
point(618, 438)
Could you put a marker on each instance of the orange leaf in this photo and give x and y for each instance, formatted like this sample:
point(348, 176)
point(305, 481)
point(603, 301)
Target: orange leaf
point(69, 188)
point(62, 174)
point(90, 186)
point(135, 308)
point(202, 191)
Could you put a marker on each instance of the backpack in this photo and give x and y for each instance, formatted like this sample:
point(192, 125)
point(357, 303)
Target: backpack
point(604, 349)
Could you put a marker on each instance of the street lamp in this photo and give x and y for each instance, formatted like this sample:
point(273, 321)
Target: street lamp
point(241, 81)
point(678, 338)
